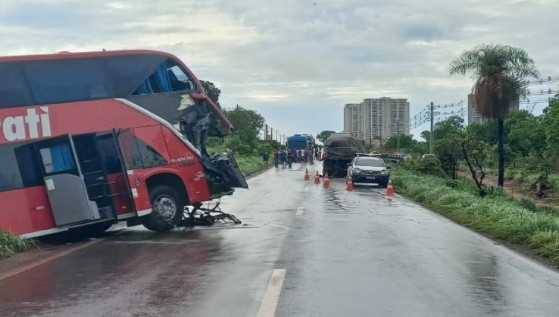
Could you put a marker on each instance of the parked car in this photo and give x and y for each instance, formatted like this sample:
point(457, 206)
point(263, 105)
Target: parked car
point(429, 157)
point(369, 169)
point(394, 158)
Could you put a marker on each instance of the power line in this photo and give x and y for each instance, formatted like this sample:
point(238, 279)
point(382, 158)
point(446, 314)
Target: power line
point(444, 111)
point(541, 81)
point(542, 92)
point(440, 112)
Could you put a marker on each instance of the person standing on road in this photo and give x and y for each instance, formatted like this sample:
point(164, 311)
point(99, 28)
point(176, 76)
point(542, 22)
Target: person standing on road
point(290, 157)
point(265, 158)
point(282, 158)
point(276, 158)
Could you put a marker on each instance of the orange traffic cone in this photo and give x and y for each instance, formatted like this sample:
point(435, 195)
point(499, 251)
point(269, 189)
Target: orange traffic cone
point(307, 177)
point(317, 178)
point(389, 189)
point(326, 182)
point(349, 184)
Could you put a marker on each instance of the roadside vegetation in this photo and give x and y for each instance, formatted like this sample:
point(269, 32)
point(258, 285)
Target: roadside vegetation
point(512, 145)
point(243, 140)
point(516, 221)
point(466, 180)
point(11, 244)
point(250, 162)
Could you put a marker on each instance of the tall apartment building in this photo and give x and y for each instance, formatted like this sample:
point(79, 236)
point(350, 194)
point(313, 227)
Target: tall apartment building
point(375, 120)
point(475, 117)
point(351, 114)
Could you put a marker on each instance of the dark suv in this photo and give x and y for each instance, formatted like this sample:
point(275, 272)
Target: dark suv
point(368, 169)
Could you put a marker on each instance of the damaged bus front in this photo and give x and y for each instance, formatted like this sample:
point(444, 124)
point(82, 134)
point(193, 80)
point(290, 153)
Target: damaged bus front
point(172, 92)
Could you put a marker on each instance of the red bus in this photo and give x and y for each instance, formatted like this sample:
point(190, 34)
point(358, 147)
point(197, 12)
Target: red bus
point(87, 139)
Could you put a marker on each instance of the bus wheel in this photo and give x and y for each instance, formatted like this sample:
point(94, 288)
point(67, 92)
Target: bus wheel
point(167, 209)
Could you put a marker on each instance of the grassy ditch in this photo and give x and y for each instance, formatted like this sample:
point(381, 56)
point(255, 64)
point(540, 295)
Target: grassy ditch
point(11, 244)
point(499, 215)
point(250, 164)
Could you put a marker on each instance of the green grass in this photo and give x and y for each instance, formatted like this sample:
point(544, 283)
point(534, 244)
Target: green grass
point(250, 164)
point(498, 215)
point(11, 244)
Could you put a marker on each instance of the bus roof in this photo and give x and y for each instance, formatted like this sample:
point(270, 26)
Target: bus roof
point(71, 55)
point(121, 86)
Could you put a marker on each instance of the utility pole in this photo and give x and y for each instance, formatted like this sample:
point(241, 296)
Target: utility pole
point(431, 134)
point(266, 134)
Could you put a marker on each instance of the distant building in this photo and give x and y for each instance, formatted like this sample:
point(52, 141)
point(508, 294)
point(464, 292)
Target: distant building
point(473, 115)
point(476, 117)
point(351, 118)
point(375, 120)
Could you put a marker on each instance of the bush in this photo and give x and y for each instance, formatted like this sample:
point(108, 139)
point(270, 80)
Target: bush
point(11, 244)
point(520, 176)
point(528, 204)
point(452, 183)
point(553, 182)
point(238, 146)
point(509, 174)
point(430, 167)
point(496, 191)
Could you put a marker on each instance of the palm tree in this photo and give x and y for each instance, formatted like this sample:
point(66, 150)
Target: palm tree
point(500, 73)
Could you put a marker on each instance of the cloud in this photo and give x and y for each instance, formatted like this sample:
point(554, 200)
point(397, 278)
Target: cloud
point(296, 61)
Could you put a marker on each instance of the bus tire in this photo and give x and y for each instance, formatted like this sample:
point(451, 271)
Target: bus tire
point(167, 209)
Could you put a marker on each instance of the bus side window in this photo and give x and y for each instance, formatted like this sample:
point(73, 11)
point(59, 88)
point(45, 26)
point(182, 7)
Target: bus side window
point(57, 158)
point(138, 154)
point(167, 77)
point(19, 169)
point(179, 80)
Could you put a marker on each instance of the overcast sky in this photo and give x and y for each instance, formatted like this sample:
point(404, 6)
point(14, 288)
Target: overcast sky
point(297, 62)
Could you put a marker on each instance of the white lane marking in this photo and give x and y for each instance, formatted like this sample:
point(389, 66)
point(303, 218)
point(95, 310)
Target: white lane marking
point(300, 211)
point(271, 297)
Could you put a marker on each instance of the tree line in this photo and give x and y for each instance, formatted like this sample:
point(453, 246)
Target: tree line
point(244, 138)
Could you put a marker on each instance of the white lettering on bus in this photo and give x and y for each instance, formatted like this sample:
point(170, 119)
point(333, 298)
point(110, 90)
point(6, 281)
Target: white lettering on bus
point(32, 119)
point(14, 128)
point(45, 121)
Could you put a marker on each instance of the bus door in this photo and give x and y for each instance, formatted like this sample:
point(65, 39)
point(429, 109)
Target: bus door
point(119, 185)
point(102, 172)
point(76, 192)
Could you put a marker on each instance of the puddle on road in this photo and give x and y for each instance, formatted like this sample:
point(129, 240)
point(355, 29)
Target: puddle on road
point(362, 199)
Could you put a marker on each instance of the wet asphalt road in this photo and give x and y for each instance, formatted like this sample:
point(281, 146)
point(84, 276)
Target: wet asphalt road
point(344, 254)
